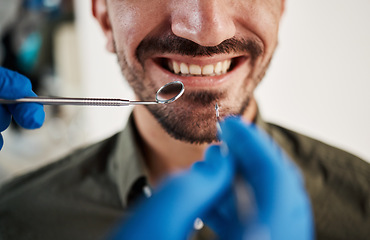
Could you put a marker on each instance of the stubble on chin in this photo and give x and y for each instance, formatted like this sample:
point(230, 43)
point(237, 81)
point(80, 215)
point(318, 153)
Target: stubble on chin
point(192, 118)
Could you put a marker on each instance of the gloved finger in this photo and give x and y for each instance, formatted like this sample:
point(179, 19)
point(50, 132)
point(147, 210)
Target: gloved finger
point(5, 118)
point(14, 85)
point(261, 161)
point(276, 183)
point(223, 219)
point(171, 211)
point(221, 215)
point(28, 115)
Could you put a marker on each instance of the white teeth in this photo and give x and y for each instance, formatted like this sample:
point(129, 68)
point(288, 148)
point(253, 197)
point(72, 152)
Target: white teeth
point(225, 66)
point(184, 68)
point(176, 67)
point(197, 70)
point(218, 68)
point(208, 69)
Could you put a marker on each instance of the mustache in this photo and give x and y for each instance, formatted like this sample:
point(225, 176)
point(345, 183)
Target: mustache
point(172, 44)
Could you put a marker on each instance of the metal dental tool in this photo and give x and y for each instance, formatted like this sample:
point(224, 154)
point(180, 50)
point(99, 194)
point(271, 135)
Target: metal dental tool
point(224, 148)
point(168, 93)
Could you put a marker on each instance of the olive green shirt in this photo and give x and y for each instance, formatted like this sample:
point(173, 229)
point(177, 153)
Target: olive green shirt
point(85, 195)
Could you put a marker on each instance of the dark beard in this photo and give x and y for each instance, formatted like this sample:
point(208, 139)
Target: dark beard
point(198, 127)
point(191, 118)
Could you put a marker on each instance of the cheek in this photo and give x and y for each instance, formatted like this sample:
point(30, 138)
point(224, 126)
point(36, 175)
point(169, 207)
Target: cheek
point(132, 21)
point(261, 18)
point(125, 28)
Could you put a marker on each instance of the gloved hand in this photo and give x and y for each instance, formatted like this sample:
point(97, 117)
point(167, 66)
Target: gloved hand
point(280, 207)
point(170, 212)
point(280, 210)
point(28, 115)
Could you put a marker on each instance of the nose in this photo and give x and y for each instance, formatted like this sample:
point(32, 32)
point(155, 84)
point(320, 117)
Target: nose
point(206, 22)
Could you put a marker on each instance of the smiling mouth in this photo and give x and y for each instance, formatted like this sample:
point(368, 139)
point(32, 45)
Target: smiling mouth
point(190, 69)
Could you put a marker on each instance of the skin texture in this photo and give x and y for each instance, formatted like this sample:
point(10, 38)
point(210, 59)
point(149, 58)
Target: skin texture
point(146, 35)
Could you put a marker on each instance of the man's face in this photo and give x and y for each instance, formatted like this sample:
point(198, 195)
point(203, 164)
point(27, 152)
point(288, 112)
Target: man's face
point(219, 49)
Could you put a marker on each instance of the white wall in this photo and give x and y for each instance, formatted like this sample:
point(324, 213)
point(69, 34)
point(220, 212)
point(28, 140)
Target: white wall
point(101, 76)
point(318, 82)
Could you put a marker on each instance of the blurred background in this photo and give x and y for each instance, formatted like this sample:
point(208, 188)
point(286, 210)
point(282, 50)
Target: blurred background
point(317, 84)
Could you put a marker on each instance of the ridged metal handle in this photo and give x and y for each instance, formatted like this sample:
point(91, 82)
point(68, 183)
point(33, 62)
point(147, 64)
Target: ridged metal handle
point(69, 101)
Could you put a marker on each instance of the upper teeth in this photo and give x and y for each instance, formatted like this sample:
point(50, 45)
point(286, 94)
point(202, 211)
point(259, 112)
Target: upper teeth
point(198, 70)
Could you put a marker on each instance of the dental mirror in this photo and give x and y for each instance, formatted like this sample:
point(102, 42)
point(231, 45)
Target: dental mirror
point(168, 93)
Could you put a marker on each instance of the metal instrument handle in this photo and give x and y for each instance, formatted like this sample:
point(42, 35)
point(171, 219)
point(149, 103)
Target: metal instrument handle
point(69, 101)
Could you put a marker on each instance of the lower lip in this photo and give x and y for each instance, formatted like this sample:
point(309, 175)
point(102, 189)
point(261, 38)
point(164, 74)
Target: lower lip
point(196, 82)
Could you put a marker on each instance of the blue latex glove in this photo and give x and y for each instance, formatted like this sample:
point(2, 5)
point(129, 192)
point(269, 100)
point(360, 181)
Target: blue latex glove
point(170, 213)
point(28, 115)
point(280, 208)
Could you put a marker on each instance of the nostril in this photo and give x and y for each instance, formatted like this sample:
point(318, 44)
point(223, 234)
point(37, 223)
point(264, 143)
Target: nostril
point(207, 24)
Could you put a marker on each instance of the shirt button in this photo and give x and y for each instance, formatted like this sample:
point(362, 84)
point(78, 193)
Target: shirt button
point(198, 224)
point(147, 191)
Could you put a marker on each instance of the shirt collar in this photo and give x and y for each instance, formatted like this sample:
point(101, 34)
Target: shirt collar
point(126, 165)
